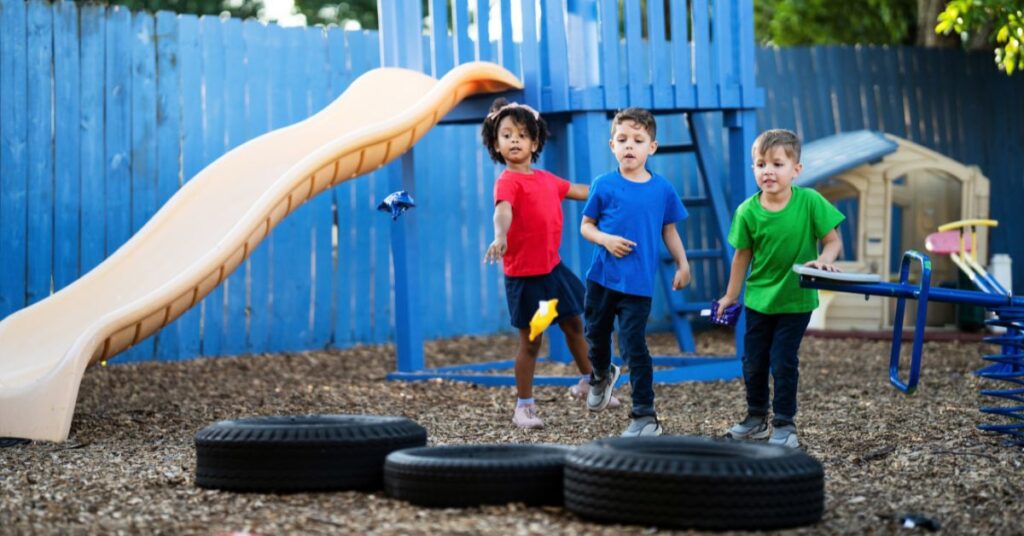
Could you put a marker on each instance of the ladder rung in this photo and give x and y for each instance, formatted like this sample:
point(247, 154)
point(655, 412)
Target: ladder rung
point(695, 255)
point(676, 148)
point(695, 201)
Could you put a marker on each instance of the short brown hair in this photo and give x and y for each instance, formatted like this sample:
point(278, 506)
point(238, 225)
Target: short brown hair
point(640, 116)
point(777, 137)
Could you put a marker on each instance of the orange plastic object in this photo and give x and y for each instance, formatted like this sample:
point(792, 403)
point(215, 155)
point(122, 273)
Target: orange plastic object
point(206, 230)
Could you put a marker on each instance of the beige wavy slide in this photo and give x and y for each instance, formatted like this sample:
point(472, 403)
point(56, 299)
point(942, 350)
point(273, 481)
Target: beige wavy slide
point(206, 230)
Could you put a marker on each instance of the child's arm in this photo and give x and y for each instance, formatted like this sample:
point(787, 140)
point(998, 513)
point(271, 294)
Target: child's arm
point(737, 274)
point(831, 247)
point(579, 192)
point(670, 235)
point(616, 245)
point(502, 221)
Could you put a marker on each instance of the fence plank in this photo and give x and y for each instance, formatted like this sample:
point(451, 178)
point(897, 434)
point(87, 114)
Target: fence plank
point(235, 117)
point(341, 198)
point(321, 209)
point(13, 156)
point(190, 62)
point(637, 67)
point(144, 163)
point(681, 54)
point(258, 89)
point(67, 204)
point(39, 135)
point(117, 132)
point(92, 87)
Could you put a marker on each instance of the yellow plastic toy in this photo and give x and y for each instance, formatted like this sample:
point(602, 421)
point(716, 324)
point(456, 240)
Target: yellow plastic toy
point(546, 312)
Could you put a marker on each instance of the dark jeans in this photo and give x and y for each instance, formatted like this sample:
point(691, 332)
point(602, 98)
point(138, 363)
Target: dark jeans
point(772, 343)
point(601, 307)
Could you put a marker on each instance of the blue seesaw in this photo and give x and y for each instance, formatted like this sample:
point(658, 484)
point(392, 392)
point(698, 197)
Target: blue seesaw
point(1007, 311)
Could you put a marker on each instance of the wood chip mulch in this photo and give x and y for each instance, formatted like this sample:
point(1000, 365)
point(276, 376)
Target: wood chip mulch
point(128, 467)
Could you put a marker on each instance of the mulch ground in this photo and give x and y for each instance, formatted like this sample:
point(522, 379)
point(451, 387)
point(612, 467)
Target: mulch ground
point(128, 467)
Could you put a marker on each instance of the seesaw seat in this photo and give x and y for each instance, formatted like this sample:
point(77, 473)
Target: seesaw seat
point(845, 277)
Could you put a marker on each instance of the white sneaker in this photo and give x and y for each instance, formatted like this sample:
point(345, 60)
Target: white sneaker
point(600, 394)
point(582, 389)
point(526, 417)
point(784, 435)
point(645, 426)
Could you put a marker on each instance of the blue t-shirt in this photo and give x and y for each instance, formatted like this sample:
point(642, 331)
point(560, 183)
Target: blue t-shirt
point(636, 211)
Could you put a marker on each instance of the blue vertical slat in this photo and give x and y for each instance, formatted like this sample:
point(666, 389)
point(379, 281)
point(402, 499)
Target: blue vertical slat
point(556, 54)
point(472, 246)
point(485, 51)
point(744, 27)
point(661, 61)
point(724, 50)
point(911, 88)
point(13, 156)
point(614, 97)
point(766, 76)
point(508, 58)
point(67, 203)
point(168, 134)
point(380, 187)
point(235, 116)
point(440, 42)
point(892, 93)
point(93, 211)
point(681, 65)
point(821, 105)
point(117, 116)
point(257, 49)
point(361, 227)
point(531, 56)
point(464, 52)
point(784, 99)
point(341, 197)
point(212, 44)
point(706, 92)
point(638, 76)
point(318, 68)
point(143, 141)
point(190, 63)
point(39, 239)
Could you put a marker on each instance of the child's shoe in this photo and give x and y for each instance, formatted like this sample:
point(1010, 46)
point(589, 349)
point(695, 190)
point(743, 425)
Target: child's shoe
point(645, 426)
point(582, 389)
point(526, 417)
point(785, 435)
point(753, 427)
point(600, 394)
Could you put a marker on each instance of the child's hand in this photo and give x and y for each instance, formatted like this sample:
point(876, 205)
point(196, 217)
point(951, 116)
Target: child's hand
point(681, 279)
point(496, 250)
point(618, 246)
point(822, 266)
point(724, 302)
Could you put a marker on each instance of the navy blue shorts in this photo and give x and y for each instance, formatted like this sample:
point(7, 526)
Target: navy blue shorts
point(525, 294)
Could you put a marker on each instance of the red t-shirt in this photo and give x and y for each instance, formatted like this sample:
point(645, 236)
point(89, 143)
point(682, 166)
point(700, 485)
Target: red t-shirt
point(536, 230)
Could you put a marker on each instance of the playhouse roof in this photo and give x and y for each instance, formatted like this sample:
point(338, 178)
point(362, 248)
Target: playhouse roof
point(828, 157)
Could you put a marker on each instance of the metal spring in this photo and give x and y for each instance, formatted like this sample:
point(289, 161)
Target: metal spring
point(1008, 366)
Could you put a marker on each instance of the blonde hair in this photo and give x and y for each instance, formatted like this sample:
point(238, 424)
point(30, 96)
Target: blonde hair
point(777, 137)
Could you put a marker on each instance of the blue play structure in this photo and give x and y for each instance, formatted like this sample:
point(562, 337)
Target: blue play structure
point(1007, 311)
point(691, 63)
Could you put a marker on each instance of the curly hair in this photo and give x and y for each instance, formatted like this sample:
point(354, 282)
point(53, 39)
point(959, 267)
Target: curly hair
point(523, 116)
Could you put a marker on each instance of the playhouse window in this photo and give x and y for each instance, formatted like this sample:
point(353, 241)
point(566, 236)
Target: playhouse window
point(846, 198)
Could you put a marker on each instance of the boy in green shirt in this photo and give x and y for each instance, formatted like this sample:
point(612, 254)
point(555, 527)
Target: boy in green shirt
point(774, 229)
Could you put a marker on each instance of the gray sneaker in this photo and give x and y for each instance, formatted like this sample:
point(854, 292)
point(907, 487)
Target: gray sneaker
point(601, 389)
point(784, 435)
point(643, 427)
point(753, 427)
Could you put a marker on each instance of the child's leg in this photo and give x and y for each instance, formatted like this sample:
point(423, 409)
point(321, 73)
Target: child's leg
point(599, 311)
point(758, 342)
point(526, 363)
point(785, 364)
point(573, 330)
point(633, 312)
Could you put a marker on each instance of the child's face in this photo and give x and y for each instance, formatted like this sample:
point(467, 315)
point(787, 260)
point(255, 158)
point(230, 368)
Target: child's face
point(632, 146)
point(775, 170)
point(514, 142)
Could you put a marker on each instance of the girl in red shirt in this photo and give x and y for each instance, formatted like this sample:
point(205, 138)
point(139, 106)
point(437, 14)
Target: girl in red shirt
point(527, 234)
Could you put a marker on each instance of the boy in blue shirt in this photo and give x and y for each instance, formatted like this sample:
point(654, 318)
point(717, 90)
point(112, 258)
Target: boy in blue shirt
point(628, 210)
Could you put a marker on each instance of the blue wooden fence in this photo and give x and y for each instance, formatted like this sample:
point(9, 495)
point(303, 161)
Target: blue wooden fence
point(105, 113)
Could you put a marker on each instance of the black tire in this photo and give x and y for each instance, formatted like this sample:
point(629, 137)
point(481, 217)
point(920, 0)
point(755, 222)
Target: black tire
point(691, 482)
point(301, 453)
point(471, 475)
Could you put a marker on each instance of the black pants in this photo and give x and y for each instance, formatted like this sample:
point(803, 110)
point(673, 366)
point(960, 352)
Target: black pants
point(772, 343)
point(601, 307)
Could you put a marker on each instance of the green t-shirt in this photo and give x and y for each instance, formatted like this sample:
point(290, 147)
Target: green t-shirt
point(779, 240)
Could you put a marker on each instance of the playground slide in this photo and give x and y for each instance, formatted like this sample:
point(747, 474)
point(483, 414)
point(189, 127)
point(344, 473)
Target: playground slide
point(206, 230)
